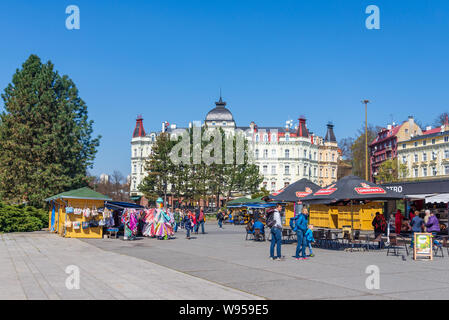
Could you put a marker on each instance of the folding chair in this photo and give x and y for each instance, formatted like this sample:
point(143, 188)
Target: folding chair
point(395, 245)
point(437, 247)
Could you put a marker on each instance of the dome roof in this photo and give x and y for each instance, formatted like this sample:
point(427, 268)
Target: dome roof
point(219, 113)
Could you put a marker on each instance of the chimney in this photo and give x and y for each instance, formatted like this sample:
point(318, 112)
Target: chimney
point(411, 122)
point(389, 127)
point(139, 131)
point(302, 129)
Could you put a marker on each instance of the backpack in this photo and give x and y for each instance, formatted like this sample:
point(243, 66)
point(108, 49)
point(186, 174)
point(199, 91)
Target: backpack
point(293, 223)
point(270, 219)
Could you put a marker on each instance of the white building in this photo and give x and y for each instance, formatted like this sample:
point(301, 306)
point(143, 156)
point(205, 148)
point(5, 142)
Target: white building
point(283, 154)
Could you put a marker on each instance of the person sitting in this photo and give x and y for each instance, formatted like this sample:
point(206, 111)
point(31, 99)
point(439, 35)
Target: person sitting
point(406, 226)
point(259, 225)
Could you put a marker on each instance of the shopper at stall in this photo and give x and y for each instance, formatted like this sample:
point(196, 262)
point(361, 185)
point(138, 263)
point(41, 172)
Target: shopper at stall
point(380, 226)
point(398, 221)
point(276, 232)
point(259, 225)
point(432, 225)
point(417, 225)
point(301, 228)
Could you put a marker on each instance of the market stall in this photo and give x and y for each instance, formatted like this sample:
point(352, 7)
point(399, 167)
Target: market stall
point(76, 214)
point(351, 201)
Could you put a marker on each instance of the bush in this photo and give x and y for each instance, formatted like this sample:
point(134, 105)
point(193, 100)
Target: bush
point(14, 218)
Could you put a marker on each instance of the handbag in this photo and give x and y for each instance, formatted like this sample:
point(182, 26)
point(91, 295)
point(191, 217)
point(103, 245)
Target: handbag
point(69, 210)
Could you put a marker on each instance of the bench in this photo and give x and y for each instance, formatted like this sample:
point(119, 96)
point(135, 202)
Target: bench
point(112, 232)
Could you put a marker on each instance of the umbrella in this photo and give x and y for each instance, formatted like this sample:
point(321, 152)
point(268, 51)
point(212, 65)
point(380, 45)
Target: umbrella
point(296, 191)
point(352, 188)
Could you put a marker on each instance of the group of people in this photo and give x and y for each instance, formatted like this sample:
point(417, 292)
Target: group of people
point(299, 224)
point(161, 223)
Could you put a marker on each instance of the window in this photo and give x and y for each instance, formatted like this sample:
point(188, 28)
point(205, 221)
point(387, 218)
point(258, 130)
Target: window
point(424, 142)
point(286, 184)
point(273, 137)
point(305, 153)
point(257, 154)
point(265, 169)
point(416, 144)
point(321, 156)
point(406, 130)
point(415, 172)
point(433, 141)
point(273, 186)
point(446, 154)
point(424, 156)
point(327, 173)
point(257, 138)
point(287, 153)
point(404, 146)
point(273, 169)
point(404, 159)
point(213, 123)
point(287, 169)
point(135, 152)
point(135, 169)
point(424, 172)
point(446, 139)
point(224, 123)
point(321, 173)
point(314, 172)
point(265, 154)
point(265, 137)
point(416, 157)
point(446, 170)
point(287, 137)
point(333, 157)
point(434, 155)
point(305, 170)
point(434, 171)
point(273, 153)
point(265, 184)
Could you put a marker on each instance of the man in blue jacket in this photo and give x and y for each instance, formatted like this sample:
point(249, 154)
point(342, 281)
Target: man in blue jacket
point(301, 228)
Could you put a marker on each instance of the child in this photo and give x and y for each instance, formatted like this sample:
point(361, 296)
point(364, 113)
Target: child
point(310, 239)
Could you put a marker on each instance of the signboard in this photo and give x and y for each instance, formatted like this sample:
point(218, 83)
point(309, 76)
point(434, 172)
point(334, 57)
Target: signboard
point(302, 194)
point(370, 190)
point(422, 246)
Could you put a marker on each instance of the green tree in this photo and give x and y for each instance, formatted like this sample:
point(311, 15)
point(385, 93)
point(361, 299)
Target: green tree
point(357, 155)
point(46, 143)
point(391, 171)
point(159, 168)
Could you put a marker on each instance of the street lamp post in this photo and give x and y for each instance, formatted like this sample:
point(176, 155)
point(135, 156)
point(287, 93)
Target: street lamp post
point(366, 138)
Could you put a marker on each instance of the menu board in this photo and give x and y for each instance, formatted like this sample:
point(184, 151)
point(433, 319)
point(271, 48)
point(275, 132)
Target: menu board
point(422, 248)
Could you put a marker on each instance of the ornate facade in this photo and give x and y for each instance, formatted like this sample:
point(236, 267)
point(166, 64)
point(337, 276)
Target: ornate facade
point(283, 154)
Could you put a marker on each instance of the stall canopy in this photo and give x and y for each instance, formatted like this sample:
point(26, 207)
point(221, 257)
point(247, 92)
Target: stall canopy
point(121, 205)
point(438, 198)
point(81, 193)
point(420, 189)
point(296, 191)
point(249, 203)
point(352, 188)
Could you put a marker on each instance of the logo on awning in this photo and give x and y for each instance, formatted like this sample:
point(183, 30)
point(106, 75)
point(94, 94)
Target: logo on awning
point(367, 189)
point(302, 194)
point(325, 192)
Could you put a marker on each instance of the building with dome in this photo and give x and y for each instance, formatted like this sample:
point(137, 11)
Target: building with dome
point(283, 154)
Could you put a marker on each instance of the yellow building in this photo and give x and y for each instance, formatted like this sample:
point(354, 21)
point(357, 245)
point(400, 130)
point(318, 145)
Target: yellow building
point(426, 156)
point(328, 158)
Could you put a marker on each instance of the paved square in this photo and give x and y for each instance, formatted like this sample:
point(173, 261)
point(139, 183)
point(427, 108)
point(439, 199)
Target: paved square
point(216, 265)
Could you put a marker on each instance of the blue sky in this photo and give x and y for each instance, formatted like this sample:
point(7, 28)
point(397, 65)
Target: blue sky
point(274, 60)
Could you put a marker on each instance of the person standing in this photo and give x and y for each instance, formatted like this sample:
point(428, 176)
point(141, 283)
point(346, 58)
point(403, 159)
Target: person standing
point(177, 219)
point(379, 225)
point(188, 223)
point(310, 239)
point(417, 225)
point(276, 234)
point(200, 219)
point(432, 225)
point(301, 228)
point(398, 221)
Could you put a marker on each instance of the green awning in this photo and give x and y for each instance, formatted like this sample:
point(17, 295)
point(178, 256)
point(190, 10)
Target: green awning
point(81, 193)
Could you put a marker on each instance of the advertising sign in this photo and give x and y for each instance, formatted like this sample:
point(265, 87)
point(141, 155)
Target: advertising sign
point(422, 246)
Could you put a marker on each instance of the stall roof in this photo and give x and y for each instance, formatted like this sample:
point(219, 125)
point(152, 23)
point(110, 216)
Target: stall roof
point(419, 187)
point(81, 193)
point(438, 198)
point(118, 204)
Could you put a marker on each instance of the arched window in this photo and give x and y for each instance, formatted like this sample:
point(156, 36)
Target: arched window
point(265, 154)
point(287, 153)
point(257, 154)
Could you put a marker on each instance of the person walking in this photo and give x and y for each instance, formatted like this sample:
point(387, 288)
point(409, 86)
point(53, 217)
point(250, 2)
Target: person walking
point(398, 221)
point(188, 223)
point(301, 228)
point(177, 219)
point(276, 233)
point(310, 239)
point(201, 219)
point(220, 219)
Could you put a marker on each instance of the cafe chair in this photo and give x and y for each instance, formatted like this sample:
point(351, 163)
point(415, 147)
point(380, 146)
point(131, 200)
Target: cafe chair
point(258, 236)
point(437, 247)
point(396, 245)
point(250, 235)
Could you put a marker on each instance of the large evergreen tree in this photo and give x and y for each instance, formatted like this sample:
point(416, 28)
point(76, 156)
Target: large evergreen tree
point(46, 143)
